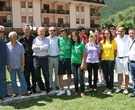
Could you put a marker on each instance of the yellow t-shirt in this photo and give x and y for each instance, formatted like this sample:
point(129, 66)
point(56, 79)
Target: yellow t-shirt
point(108, 49)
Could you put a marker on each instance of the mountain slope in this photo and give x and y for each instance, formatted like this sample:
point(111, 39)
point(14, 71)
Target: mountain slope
point(114, 6)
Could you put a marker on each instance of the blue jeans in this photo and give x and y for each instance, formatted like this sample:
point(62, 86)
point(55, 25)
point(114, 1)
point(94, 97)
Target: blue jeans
point(3, 86)
point(78, 76)
point(21, 79)
point(132, 73)
point(108, 67)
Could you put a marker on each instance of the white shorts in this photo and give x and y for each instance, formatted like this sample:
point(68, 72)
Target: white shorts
point(122, 65)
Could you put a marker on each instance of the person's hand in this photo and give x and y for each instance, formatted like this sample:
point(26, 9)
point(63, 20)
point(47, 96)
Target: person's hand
point(82, 66)
point(9, 69)
point(22, 68)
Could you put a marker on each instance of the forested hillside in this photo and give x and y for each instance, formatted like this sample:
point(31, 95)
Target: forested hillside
point(114, 6)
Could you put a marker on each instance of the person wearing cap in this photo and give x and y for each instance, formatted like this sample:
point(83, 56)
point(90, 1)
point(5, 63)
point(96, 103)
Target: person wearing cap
point(26, 41)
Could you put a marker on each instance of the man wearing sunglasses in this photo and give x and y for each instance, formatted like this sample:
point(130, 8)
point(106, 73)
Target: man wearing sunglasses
point(53, 58)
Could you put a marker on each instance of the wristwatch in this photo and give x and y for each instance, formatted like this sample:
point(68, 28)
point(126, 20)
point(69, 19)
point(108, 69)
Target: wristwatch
point(23, 64)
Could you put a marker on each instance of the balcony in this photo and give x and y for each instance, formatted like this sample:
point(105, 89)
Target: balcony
point(96, 14)
point(95, 26)
point(6, 24)
point(62, 12)
point(5, 8)
point(63, 25)
point(93, 1)
point(48, 24)
point(48, 11)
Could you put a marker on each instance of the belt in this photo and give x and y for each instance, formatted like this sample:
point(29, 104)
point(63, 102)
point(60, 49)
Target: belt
point(123, 57)
point(40, 57)
point(132, 61)
point(54, 56)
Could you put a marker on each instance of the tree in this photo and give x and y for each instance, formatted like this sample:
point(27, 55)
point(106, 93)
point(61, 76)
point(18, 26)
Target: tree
point(126, 24)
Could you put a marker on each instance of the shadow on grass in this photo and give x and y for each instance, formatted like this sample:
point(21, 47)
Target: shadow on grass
point(38, 102)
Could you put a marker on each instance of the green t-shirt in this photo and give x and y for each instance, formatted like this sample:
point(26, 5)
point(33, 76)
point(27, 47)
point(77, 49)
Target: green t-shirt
point(65, 47)
point(77, 52)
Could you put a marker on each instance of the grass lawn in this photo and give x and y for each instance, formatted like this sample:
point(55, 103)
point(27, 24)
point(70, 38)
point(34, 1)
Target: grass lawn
point(91, 101)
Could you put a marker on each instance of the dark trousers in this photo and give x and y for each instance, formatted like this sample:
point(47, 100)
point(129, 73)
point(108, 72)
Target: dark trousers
point(78, 76)
point(94, 67)
point(42, 63)
point(29, 71)
point(108, 67)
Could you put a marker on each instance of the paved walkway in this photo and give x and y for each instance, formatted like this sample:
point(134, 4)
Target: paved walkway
point(20, 98)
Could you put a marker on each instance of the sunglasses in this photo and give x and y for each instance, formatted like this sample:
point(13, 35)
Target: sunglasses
point(112, 28)
point(1, 31)
point(52, 30)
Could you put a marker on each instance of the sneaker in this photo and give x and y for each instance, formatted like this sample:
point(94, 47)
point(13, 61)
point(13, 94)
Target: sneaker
point(132, 95)
point(109, 92)
point(117, 90)
point(125, 92)
point(48, 96)
point(26, 94)
point(68, 92)
point(14, 95)
point(60, 92)
point(75, 94)
point(51, 88)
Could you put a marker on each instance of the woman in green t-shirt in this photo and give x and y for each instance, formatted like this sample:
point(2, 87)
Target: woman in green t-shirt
point(77, 62)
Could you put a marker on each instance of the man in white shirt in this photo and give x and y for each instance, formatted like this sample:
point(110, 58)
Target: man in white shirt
point(122, 59)
point(53, 58)
point(132, 58)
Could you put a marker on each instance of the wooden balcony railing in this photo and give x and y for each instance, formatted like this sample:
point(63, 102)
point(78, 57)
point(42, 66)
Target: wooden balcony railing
point(94, 25)
point(5, 8)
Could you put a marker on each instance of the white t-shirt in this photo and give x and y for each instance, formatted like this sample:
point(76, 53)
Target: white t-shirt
point(122, 45)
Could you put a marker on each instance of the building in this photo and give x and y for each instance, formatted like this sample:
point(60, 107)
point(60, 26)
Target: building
point(59, 13)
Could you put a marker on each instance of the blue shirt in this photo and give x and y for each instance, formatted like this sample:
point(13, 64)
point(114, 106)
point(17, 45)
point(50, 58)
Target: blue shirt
point(43, 45)
point(3, 52)
point(14, 55)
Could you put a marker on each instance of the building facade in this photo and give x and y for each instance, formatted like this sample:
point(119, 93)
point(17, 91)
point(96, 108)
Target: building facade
point(59, 13)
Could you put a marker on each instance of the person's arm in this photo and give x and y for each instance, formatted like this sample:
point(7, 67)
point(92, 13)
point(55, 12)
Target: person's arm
point(83, 56)
point(45, 46)
point(23, 62)
point(83, 60)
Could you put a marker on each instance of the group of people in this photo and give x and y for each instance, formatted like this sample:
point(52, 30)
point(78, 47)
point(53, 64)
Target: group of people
point(66, 54)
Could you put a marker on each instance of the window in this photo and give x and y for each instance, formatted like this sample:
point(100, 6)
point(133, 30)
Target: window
point(46, 20)
point(23, 19)
point(82, 21)
point(82, 9)
point(77, 8)
point(23, 4)
point(30, 19)
point(77, 21)
point(60, 7)
point(30, 5)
